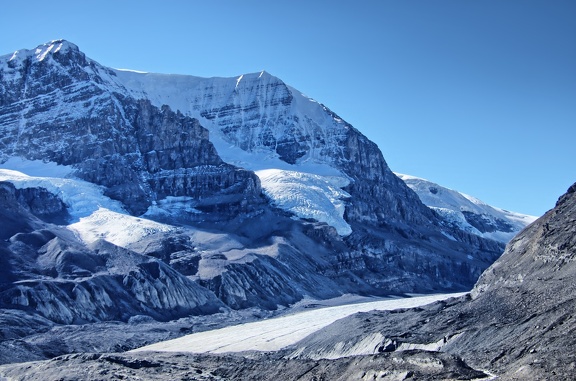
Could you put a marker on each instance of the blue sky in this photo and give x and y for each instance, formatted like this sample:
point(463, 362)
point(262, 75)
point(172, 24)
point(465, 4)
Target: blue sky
point(478, 96)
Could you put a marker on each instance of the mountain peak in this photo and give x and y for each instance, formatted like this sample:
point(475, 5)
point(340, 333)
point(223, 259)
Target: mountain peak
point(42, 51)
point(262, 75)
point(54, 46)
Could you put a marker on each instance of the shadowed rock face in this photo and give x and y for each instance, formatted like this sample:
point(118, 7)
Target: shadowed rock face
point(518, 321)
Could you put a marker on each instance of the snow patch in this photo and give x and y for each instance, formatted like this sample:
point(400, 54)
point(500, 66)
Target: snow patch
point(41, 53)
point(133, 71)
point(81, 198)
point(117, 228)
point(171, 206)
point(308, 195)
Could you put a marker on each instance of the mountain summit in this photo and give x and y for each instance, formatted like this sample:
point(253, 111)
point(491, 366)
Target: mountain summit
point(241, 190)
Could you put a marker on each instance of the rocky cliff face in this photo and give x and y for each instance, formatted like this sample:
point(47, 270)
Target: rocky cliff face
point(57, 105)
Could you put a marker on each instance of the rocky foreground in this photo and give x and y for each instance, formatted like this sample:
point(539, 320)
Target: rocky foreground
point(417, 365)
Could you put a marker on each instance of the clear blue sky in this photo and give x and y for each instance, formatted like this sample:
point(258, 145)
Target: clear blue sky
point(476, 95)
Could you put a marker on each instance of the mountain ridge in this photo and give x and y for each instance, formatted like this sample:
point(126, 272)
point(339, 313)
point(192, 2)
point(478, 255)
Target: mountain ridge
point(468, 212)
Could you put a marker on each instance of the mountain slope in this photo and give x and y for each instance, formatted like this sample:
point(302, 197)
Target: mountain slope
point(258, 122)
point(518, 321)
point(47, 270)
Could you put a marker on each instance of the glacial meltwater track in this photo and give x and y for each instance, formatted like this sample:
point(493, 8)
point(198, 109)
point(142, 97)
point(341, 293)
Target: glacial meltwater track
point(277, 333)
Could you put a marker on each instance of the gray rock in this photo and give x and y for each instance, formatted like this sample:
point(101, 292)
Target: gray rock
point(518, 322)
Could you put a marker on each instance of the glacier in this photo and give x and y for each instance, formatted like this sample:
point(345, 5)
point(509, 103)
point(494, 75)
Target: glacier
point(278, 333)
point(194, 95)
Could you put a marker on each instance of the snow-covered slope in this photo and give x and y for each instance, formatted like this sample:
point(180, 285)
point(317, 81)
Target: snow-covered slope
point(259, 123)
point(81, 197)
point(467, 212)
point(308, 195)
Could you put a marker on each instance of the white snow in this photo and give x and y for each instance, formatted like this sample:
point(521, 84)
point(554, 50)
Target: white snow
point(117, 228)
point(132, 71)
point(275, 334)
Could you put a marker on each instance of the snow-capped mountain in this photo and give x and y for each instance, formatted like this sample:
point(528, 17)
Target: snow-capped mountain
point(468, 213)
point(242, 191)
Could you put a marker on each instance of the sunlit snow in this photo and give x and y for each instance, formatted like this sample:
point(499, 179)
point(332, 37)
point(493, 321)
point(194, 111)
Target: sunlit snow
point(308, 195)
point(81, 198)
point(117, 228)
point(171, 206)
point(450, 204)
